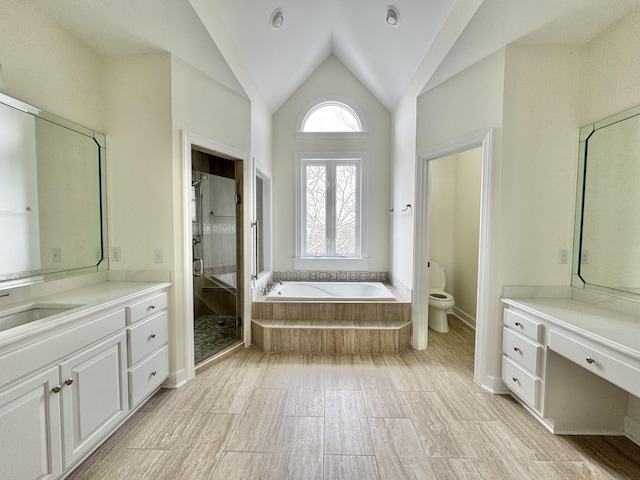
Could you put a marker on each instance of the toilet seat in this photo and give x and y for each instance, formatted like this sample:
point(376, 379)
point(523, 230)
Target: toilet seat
point(440, 299)
point(436, 294)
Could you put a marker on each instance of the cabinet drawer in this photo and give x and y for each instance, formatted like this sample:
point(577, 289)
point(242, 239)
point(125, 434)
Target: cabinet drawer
point(146, 336)
point(521, 382)
point(597, 359)
point(523, 325)
point(146, 307)
point(145, 377)
point(521, 349)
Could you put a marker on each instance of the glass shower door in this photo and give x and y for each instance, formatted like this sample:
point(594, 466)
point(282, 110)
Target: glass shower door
point(215, 264)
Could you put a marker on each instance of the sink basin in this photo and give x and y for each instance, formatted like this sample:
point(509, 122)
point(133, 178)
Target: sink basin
point(31, 313)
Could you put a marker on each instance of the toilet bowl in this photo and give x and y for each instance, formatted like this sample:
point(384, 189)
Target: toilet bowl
point(439, 300)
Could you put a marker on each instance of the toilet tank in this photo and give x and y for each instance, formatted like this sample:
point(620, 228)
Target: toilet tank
point(437, 277)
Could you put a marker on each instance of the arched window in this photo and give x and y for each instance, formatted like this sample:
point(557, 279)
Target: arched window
point(331, 117)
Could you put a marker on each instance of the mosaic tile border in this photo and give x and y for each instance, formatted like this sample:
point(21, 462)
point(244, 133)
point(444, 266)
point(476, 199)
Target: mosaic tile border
point(401, 287)
point(217, 270)
point(19, 275)
point(330, 276)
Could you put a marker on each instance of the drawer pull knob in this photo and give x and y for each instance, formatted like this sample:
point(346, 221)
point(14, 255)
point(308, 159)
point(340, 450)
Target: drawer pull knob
point(153, 374)
point(590, 360)
point(514, 379)
point(56, 389)
point(153, 335)
point(151, 307)
point(518, 324)
point(516, 349)
point(68, 381)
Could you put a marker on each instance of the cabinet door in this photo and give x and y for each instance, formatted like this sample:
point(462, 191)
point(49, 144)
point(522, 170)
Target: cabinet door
point(30, 429)
point(94, 395)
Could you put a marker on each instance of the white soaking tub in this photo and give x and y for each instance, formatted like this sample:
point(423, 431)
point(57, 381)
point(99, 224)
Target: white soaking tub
point(331, 291)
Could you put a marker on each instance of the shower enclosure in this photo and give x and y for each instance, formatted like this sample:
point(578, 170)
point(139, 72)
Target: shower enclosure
point(216, 255)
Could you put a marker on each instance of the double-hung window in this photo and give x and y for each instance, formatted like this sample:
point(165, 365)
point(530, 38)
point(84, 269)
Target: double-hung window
point(330, 206)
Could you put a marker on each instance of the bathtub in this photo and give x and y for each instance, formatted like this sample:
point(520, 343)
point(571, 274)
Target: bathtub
point(331, 291)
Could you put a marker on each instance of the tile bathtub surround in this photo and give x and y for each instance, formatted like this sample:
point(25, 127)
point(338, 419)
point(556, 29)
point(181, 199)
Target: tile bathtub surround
point(415, 415)
point(331, 327)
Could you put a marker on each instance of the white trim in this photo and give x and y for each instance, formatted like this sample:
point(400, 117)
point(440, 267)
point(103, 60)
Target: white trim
point(464, 317)
point(299, 221)
point(190, 140)
point(420, 304)
point(260, 171)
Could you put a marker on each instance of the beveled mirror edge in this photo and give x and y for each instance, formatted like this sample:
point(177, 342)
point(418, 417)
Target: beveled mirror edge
point(585, 133)
point(100, 140)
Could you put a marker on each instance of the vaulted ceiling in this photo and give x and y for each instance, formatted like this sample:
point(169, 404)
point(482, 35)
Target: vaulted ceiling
point(384, 58)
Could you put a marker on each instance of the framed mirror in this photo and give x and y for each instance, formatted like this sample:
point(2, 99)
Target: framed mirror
point(607, 228)
point(52, 196)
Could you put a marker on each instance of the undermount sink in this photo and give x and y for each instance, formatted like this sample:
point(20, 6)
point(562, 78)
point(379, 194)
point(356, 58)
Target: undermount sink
point(31, 313)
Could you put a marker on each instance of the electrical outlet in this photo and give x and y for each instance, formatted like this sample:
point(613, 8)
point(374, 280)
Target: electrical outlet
point(584, 257)
point(563, 255)
point(158, 256)
point(115, 254)
point(56, 255)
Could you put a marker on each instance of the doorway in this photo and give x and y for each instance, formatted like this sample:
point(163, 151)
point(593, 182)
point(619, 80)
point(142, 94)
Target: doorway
point(216, 230)
point(420, 302)
point(454, 226)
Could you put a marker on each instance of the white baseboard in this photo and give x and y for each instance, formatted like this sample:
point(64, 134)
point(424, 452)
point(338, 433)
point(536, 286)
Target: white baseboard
point(465, 317)
point(632, 429)
point(176, 379)
point(494, 385)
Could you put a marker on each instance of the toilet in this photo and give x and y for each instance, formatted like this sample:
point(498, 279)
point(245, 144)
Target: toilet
point(439, 300)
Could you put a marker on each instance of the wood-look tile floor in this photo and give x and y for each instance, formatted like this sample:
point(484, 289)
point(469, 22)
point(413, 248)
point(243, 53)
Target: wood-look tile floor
point(415, 415)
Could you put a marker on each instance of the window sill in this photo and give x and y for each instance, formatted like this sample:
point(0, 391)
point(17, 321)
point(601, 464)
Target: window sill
point(337, 264)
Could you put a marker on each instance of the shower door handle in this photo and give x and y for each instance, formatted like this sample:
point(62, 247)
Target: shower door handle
point(198, 267)
point(256, 225)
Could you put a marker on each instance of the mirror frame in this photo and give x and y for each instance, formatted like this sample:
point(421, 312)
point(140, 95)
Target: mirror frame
point(585, 134)
point(100, 141)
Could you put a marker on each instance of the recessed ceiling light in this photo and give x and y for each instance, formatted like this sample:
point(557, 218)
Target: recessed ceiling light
point(277, 18)
point(392, 16)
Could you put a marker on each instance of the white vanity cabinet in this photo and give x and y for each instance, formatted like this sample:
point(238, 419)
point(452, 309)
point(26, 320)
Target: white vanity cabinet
point(147, 337)
point(571, 363)
point(51, 418)
point(94, 395)
point(30, 428)
point(64, 389)
point(523, 357)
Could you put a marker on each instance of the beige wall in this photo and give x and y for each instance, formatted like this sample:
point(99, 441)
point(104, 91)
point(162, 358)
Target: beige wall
point(42, 64)
point(204, 107)
point(331, 78)
point(540, 150)
point(467, 228)
point(468, 103)
point(612, 70)
point(455, 224)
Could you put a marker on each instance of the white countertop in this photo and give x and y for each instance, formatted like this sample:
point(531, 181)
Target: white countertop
point(613, 329)
point(92, 298)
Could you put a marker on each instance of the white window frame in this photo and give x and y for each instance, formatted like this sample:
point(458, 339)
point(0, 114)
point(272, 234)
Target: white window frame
point(302, 257)
point(330, 100)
